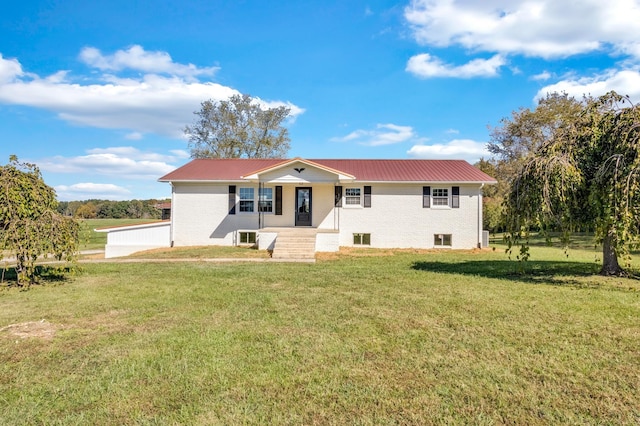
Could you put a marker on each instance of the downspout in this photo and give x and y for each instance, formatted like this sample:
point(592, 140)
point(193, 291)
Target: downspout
point(480, 216)
point(171, 215)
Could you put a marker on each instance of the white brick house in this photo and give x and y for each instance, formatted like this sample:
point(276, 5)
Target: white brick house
point(376, 203)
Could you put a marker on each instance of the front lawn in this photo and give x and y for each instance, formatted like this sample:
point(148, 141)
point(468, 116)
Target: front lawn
point(410, 337)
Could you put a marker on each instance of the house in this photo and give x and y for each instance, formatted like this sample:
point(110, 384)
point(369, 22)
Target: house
point(165, 210)
point(335, 203)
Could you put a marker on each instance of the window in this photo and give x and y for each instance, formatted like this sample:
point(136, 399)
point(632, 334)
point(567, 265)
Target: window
point(362, 239)
point(265, 200)
point(246, 199)
point(440, 197)
point(352, 196)
point(247, 237)
point(442, 240)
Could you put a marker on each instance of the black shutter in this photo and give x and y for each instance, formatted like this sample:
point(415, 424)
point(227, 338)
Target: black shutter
point(279, 200)
point(367, 196)
point(426, 197)
point(232, 199)
point(338, 196)
point(455, 197)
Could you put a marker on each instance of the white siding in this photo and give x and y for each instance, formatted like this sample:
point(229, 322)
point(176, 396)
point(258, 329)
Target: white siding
point(327, 241)
point(323, 214)
point(288, 208)
point(201, 215)
point(267, 240)
point(125, 240)
point(397, 219)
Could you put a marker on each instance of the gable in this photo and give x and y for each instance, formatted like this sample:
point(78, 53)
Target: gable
point(296, 172)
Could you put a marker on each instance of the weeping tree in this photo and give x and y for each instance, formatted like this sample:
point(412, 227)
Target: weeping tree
point(30, 226)
point(586, 173)
point(238, 128)
point(514, 140)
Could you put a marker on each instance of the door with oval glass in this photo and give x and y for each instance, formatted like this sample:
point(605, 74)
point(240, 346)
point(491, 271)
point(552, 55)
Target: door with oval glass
point(303, 206)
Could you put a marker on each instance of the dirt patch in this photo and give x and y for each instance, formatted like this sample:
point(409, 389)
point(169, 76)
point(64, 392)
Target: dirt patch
point(42, 329)
point(95, 256)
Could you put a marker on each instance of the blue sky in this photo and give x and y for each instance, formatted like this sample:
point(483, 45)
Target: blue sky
point(97, 93)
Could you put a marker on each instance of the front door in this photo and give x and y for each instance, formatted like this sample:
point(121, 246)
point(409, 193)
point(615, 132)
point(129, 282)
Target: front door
point(303, 206)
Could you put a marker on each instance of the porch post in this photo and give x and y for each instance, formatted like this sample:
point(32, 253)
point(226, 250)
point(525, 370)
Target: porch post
point(337, 205)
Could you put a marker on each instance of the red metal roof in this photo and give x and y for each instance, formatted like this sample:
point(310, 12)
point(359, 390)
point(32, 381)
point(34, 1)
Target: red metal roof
point(409, 170)
point(363, 170)
point(218, 169)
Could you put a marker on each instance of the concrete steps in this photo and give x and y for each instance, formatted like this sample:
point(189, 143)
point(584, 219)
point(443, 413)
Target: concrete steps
point(295, 244)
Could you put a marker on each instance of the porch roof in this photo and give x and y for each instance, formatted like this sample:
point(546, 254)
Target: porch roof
point(213, 170)
point(310, 163)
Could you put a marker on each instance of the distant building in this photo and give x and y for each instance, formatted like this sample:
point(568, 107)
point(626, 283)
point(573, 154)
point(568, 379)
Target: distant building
point(165, 209)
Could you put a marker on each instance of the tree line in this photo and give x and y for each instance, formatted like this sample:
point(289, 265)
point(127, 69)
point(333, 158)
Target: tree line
point(108, 209)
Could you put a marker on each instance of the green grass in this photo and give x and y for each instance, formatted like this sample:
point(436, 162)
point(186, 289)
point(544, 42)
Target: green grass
point(92, 240)
point(412, 337)
point(577, 240)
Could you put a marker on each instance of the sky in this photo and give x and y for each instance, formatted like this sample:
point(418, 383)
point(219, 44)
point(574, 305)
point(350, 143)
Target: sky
point(97, 93)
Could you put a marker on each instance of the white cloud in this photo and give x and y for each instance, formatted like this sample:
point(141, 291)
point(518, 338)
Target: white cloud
point(151, 103)
point(427, 66)
point(538, 28)
point(87, 190)
point(625, 82)
point(460, 149)
point(134, 136)
point(355, 135)
point(135, 154)
point(180, 154)
point(543, 76)
point(136, 58)
point(116, 162)
point(384, 134)
point(10, 70)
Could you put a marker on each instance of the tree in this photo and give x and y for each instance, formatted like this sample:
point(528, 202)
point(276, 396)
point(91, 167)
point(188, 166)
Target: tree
point(585, 173)
point(238, 128)
point(86, 211)
point(513, 142)
point(492, 196)
point(30, 226)
point(521, 135)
